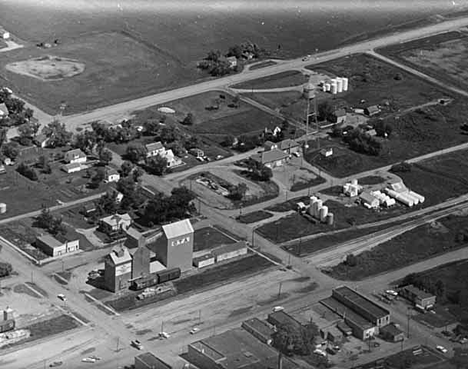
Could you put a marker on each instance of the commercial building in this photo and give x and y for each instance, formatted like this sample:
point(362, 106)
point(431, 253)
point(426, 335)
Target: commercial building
point(52, 246)
point(272, 158)
point(230, 251)
point(115, 223)
point(149, 361)
point(419, 298)
point(75, 156)
point(203, 261)
point(118, 269)
point(369, 201)
point(259, 329)
point(281, 318)
point(392, 333)
point(175, 247)
point(234, 349)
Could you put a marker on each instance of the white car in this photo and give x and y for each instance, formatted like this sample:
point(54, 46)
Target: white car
point(62, 297)
point(88, 360)
point(137, 344)
point(442, 349)
point(278, 308)
point(194, 330)
point(391, 292)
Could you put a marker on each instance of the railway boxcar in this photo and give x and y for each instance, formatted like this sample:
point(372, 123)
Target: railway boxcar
point(142, 283)
point(7, 325)
point(168, 275)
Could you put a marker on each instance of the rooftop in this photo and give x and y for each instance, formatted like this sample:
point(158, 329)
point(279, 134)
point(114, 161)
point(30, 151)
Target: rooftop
point(269, 156)
point(154, 146)
point(120, 255)
point(391, 329)
point(283, 318)
point(367, 197)
point(287, 144)
point(72, 166)
point(417, 292)
point(152, 361)
point(177, 229)
point(358, 299)
point(339, 113)
point(76, 153)
point(260, 326)
point(132, 232)
point(111, 171)
point(3, 109)
point(50, 241)
point(224, 249)
point(114, 220)
point(346, 313)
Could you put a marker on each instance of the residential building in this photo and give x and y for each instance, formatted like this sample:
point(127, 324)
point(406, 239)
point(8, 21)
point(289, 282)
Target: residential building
point(339, 116)
point(4, 34)
point(3, 110)
point(230, 251)
point(371, 110)
point(153, 149)
point(289, 146)
point(259, 329)
point(369, 201)
point(115, 223)
point(175, 246)
point(149, 361)
point(89, 209)
point(392, 333)
point(172, 160)
point(75, 156)
point(419, 298)
point(269, 145)
point(41, 140)
point(326, 152)
point(71, 168)
point(112, 175)
point(111, 191)
point(271, 159)
point(232, 60)
point(57, 246)
point(118, 269)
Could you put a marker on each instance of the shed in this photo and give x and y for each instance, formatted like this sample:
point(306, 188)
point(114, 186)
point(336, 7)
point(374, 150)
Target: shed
point(371, 110)
point(71, 168)
point(269, 145)
point(392, 333)
point(229, 251)
point(326, 152)
point(369, 201)
point(339, 116)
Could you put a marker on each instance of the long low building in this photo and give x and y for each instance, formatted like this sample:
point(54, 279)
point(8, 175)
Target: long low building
point(57, 246)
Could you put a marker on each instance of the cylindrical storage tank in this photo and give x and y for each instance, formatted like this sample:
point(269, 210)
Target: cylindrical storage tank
point(339, 85)
point(312, 199)
point(330, 219)
point(312, 206)
point(3, 208)
point(328, 87)
point(334, 89)
point(345, 84)
point(323, 213)
point(354, 182)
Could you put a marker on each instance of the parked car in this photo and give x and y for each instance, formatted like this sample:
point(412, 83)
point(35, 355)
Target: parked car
point(97, 358)
point(194, 330)
point(88, 360)
point(55, 364)
point(62, 297)
point(137, 344)
point(392, 293)
point(442, 349)
point(278, 308)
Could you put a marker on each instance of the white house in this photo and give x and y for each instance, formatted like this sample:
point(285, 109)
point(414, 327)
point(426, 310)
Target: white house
point(75, 156)
point(327, 152)
point(172, 160)
point(153, 149)
point(71, 168)
point(111, 175)
point(115, 222)
point(3, 110)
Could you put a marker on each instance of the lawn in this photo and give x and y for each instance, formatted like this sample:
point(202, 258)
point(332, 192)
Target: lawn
point(254, 217)
point(418, 244)
point(264, 64)
point(283, 79)
point(300, 185)
point(370, 180)
point(209, 238)
point(440, 56)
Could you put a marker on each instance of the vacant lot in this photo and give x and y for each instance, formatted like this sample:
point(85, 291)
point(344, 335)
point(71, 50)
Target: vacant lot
point(209, 237)
point(254, 217)
point(284, 79)
point(441, 56)
point(410, 247)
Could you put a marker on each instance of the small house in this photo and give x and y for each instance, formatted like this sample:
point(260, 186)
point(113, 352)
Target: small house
point(371, 110)
point(172, 160)
point(115, 223)
point(269, 145)
point(369, 201)
point(153, 149)
point(117, 194)
point(339, 116)
point(75, 156)
point(112, 175)
point(41, 140)
point(88, 209)
point(71, 168)
point(271, 159)
point(3, 110)
point(418, 297)
point(232, 60)
point(326, 152)
point(392, 333)
point(371, 132)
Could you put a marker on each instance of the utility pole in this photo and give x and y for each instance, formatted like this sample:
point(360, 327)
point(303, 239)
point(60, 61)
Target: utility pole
point(279, 290)
point(118, 341)
point(199, 316)
point(408, 312)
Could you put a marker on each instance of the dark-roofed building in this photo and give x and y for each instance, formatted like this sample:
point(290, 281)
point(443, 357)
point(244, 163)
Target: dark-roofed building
point(339, 116)
point(418, 297)
point(259, 329)
point(149, 361)
point(289, 146)
point(75, 156)
point(280, 318)
point(362, 305)
point(372, 110)
point(272, 158)
point(392, 333)
point(153, 149)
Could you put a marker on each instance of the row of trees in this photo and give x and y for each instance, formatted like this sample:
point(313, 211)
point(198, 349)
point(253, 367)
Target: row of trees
point(18, 114)
point(53, 224)
point(361, 142)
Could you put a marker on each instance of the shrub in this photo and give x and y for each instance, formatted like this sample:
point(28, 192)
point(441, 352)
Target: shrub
point(5, 269)
point(27, 171)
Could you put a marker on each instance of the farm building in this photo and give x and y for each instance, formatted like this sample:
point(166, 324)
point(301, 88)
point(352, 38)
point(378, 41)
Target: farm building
point(338, 116)
point(384, 200)
point(289, 146)
point(149, 361)
point(71, 168)
point(272, 159)
point(371, 110)
point(203, 261)
point(418, 297)
point(117, 269)
point(369, 201)
point(52, 246)
point(391, 333)
point(332, 334)
point(115, 223)
point(112, 175)
point(75, 156)
point(175, 247)
point(3, 110)
point(153, 149)
point(226, 252)
point(259, 329)
point(326, 152)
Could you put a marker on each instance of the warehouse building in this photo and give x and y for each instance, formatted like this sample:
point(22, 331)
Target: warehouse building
point(259, 329)
point(419, 298)
point(175, 247)
point(280, 318)
point(118, 269)
point(57, 246)
point(149, 361)
point(203, 261)
point(392, 333)
point(226, 252)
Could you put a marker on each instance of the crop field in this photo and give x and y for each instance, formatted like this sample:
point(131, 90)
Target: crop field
point(284, 79)
point(442, 56)
point(408, 248)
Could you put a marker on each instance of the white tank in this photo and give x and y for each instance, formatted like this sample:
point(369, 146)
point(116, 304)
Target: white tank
point(354, 182)
point(3, 208)
point(312, 207)
point(324, 88)
point(323, 213)
point(339, 85)
point(330, 219)
point(334, 89)
point(345, 84)
point(328, 87)
point(312, 199)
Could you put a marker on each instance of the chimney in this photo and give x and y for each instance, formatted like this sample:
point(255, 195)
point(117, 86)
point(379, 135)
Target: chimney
point(280, 360)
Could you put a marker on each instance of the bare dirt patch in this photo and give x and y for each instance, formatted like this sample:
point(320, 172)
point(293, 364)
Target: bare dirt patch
point(47, 68)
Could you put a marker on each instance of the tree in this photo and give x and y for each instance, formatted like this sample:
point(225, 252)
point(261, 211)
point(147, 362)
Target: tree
point(298, 339)
point(11, 150)
point(236, 101)
point(213, 55)
point(188, 120)
point(3, 136)
point(97, 179)
point(5, 269)
point(228, 141)
point(105, 156)
point(47, 221)
point(126, 168)
point(325, 111)
point(14, 105)
point(258, 171)
point(137, 173)
point(237, 193)
point(236, 51)
point(351, 260)
point(43, 163)
point(135, 152)
point(157, 165)
point(57, 134)
point(27, 171)
point(107, 204)
point(85, 141)
point(383, 128)
point(28, 130)
point(151, 126)
point(440, 289)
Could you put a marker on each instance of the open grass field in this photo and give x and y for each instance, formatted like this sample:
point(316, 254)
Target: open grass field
point(284, 79)
point(209, 238)
point(410, 247)
point(179, 37)
point(371, 180)
point(441, 56)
